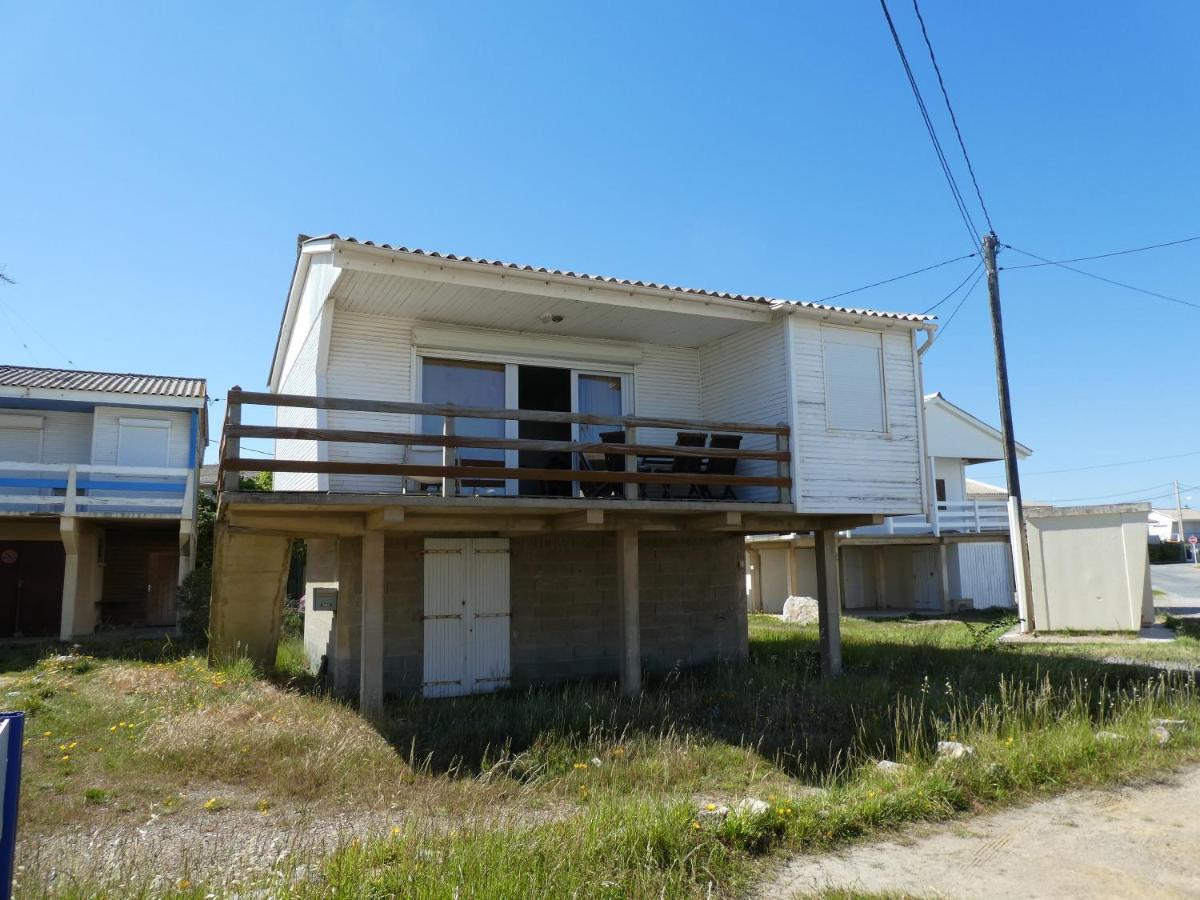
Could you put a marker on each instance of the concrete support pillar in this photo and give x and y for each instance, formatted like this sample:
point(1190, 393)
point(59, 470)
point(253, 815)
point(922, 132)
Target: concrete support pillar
point(344, 664)
point(81, 577)
point(789, 562)
point(370, 677)
point(944, 573)
point(249, 577)
point(829, 601)
point(631, 625)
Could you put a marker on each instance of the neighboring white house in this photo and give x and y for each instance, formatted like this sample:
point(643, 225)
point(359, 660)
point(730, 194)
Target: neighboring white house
point(98, 479)
point(953, 555)
point(1164, 524)
point(587, 516)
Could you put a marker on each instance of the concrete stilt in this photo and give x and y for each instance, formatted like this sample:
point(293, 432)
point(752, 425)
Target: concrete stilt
point(829, 601)
point(631, 626)
point(249, 578)
point(370, 679)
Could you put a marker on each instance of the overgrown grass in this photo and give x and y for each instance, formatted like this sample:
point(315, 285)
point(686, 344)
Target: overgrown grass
point(576, 790)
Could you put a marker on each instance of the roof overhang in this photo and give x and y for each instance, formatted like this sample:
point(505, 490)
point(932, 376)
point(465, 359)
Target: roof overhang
point(351, 256)
point(961, 415)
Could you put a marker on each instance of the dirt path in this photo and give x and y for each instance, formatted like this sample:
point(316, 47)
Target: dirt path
point(1137, 841)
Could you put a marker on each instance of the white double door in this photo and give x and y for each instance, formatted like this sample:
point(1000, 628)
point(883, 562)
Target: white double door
point(466, 616)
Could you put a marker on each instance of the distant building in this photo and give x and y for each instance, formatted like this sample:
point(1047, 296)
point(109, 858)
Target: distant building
point(98, 476)
point(1164, 524)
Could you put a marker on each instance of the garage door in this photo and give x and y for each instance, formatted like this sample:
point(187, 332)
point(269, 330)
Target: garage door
point(31, 581)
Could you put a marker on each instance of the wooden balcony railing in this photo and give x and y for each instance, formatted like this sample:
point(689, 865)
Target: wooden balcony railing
point(625, 466)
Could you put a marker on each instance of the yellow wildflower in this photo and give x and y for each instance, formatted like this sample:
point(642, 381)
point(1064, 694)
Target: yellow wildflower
point(696, 825)
point(395, 830)
point(114, 728)
point(66, 758)
point(47, 733)
point(183, 884)
point(710, 806)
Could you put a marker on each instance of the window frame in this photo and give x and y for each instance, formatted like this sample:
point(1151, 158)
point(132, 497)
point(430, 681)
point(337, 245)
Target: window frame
point(885, 418)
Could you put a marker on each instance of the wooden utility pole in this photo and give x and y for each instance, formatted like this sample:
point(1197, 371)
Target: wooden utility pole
point(990, 241)
point(1179, 512)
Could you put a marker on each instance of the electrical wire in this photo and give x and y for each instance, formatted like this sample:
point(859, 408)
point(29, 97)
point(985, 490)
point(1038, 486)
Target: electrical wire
point(1106, 280)
point(942, 330)
point(953, 292)
point(937, 145)
point(953, 118)
point(1114, 465)
point(1135, 492)
point(897, 277)
point(1059, 262)
point(1132, 495)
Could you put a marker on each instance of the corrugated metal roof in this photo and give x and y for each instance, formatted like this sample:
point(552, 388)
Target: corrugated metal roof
point(625, 282)
point(108, 382)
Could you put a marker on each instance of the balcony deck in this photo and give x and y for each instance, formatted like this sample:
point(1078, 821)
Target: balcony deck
point(630, 480)
point(95, 491)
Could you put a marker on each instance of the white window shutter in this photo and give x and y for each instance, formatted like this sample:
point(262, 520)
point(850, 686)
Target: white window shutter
point(854, 394)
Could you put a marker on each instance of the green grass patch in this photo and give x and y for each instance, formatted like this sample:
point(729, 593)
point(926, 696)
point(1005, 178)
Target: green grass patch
point(577, 790)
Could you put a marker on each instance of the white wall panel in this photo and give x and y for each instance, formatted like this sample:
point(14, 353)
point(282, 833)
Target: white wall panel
point(743, 378)
point(301, 378)
point(985, 573)
point(107, 426)
point(849, 471)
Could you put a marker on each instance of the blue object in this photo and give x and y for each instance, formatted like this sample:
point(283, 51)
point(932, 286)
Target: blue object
point(15, 733)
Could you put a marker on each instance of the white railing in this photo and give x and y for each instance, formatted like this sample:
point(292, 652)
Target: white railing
point(87, 489)
point(970, 516)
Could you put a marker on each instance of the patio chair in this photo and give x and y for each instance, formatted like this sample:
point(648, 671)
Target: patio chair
point(722, 465)
point(688, 465)
point(613, 462)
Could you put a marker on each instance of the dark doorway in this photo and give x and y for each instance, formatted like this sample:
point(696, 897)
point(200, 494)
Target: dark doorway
point(141, 572)
point(542, 387)
point(31, 583)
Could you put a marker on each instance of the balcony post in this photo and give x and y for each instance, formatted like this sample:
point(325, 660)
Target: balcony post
point(69, 499)
point(782, 467)
point(449, 457)
point(978, 527)
point(231, 446)
point(631, 462)
point(937, 519)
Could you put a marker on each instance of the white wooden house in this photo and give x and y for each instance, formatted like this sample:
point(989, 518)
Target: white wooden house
point(97, 498)
point(491, 465)
point(953, 555)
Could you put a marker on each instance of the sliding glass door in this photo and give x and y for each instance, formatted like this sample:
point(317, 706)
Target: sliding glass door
point(466, 383)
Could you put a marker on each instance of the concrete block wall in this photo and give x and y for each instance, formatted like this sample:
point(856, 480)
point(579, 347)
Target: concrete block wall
point(565, 607)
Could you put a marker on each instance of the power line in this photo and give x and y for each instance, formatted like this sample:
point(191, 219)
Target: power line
point(953, 118)
point(1132, 495)
point(965, 297)
point(1059, 262)
point(937, 145)
point(897, 277)
point(953, 292)
point(1106, 280)
point(1114, 465)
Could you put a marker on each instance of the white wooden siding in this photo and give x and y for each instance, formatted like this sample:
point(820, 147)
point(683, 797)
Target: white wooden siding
point(320, 278)
point(743, 378)
point(855, 472)
point(301, 378)
point(106, 433)
point(372, 357)
point(985, 573)
point(66, 437)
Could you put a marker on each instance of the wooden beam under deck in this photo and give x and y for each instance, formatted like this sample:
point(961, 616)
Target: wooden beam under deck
point(326, 515)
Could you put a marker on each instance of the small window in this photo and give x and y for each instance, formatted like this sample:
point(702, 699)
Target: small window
point(20, 438)
point(940, 487)
point(143, 442)
point(854, 397)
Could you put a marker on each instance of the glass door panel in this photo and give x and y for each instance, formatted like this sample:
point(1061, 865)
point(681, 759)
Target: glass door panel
point(467, 383)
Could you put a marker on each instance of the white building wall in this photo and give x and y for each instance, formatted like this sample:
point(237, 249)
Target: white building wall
point(66, 436)
point(856, 472)
point(300, 377)
point(953, 473)
point(982, 573)
point(373, 357)
point(321, 275)
point(106, 429)
point(743, 378)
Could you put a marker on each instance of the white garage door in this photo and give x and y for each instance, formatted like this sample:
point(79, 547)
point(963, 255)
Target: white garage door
point(986, 573)
point(467, 616)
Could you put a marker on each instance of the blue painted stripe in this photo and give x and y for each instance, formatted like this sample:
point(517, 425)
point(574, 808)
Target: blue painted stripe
point(194, 429)
point(33, 482)
point(165, 487)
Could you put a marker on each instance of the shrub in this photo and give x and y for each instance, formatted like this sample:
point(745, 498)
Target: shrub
point(1167, 552)
point(194, 596)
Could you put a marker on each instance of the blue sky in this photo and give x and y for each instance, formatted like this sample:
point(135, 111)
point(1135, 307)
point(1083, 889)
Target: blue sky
point(160, 158)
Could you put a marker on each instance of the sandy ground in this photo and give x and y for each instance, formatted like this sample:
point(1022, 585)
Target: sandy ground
point(1136, 841)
